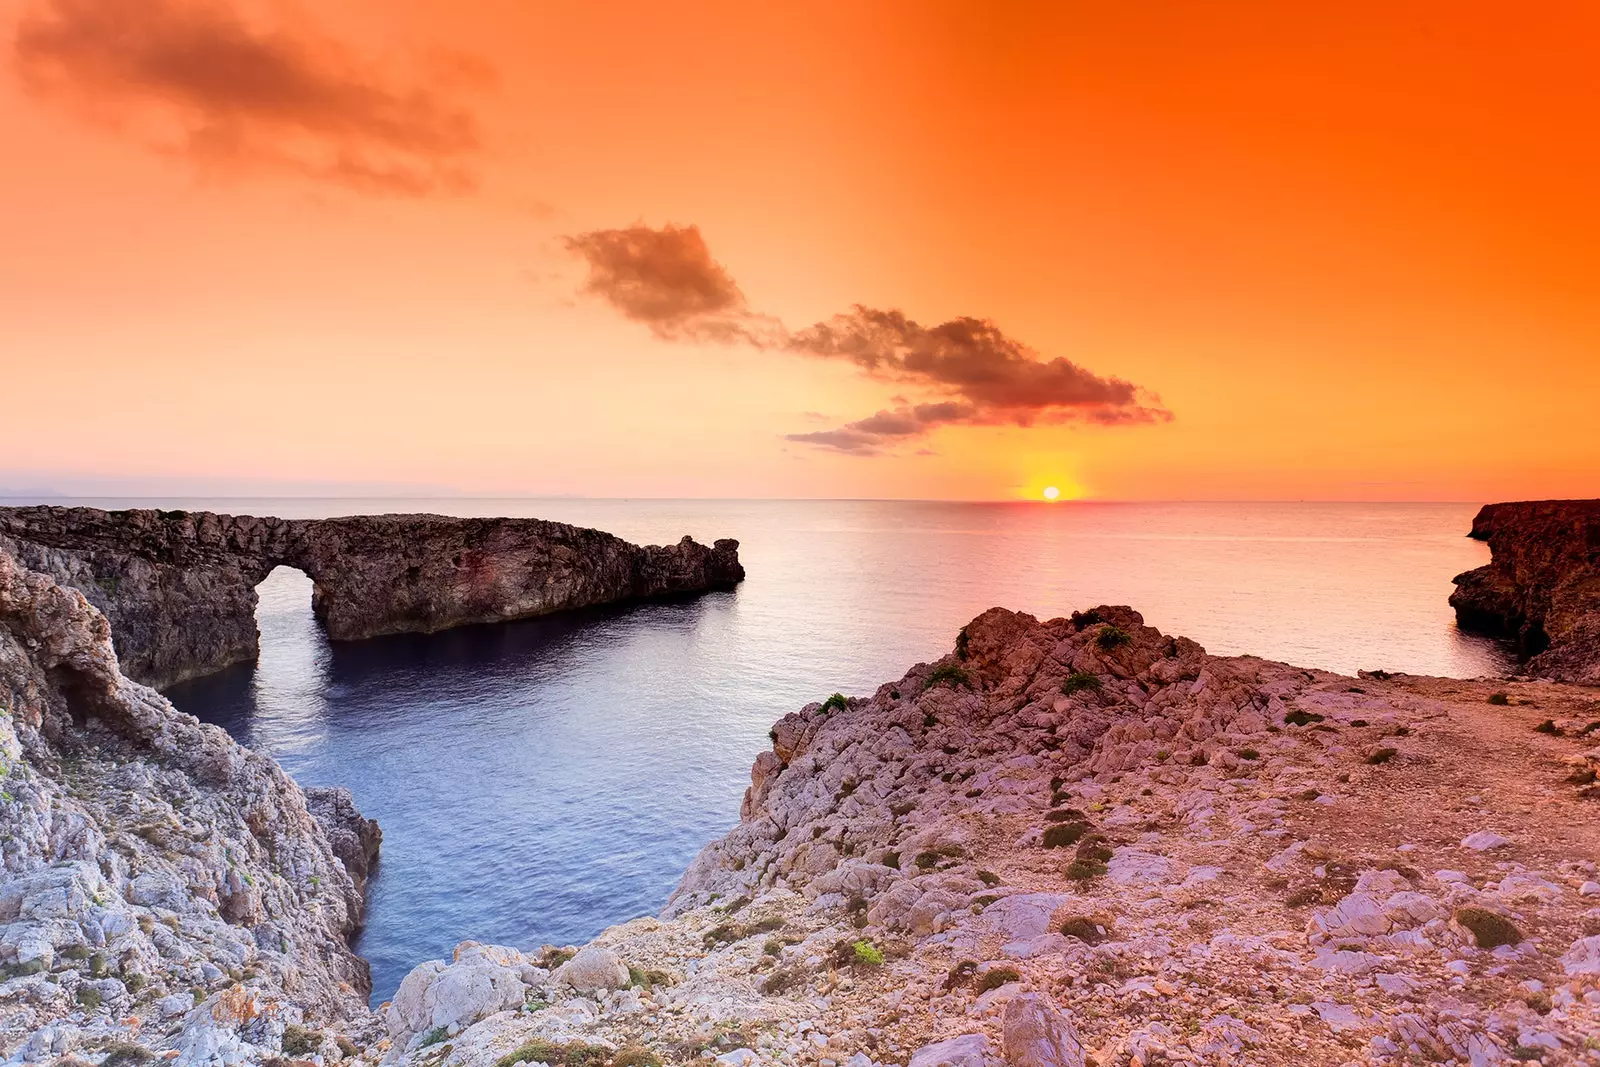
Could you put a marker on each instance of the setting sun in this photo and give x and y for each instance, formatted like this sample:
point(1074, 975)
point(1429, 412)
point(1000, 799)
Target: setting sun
point(1051, 492)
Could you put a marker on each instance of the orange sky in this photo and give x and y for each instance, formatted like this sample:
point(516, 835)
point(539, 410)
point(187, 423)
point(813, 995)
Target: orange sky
point(1354, 251)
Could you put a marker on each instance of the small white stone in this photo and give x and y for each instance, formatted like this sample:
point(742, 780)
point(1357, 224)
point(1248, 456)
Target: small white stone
point(1484, 840)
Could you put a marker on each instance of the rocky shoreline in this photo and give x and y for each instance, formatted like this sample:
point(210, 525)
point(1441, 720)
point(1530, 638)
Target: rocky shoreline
point(1071, 842)
point(1541, 589)
point(179, 587)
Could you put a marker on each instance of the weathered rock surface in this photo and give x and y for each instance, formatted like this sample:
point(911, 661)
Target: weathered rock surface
point(1084, 842)
point(179, 587)
point(1542, 586)
point(150, 868)
point(354, 838)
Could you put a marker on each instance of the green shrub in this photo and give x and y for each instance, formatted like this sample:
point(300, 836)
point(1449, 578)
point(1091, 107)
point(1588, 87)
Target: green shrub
point(782, 980)
point(635, 1056)
point(1083, 870)
point(1111, 637)
point(126, 1054)
point(1064, 815)
point(1500, 699)
point(949, 674)
point(868, 954)
point(647, 978)
point(834, 703)
point(996, 977)
point(1488, 929)
point(76, 952)
point(1081, 681)
point(1064, 834)
point(89, 997)
point(299, 1041)
point(1093, 849)
point(572, 1054)
point(438, 1034)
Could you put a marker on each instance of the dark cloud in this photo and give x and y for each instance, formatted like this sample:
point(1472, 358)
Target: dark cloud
point(977, 374)
point(197, 79)
point(667, 280)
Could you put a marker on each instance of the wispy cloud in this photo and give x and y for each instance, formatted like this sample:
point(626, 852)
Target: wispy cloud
point(667, 280)
point(975, 374)
point(195, 78)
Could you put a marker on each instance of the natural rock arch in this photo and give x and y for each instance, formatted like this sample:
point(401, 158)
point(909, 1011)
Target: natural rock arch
point(179, 588)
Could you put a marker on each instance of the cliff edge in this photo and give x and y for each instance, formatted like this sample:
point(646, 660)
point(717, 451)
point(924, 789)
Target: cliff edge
point(1541, 588)
point(151, 869)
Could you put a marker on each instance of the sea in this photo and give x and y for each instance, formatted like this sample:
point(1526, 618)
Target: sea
point(537, 781)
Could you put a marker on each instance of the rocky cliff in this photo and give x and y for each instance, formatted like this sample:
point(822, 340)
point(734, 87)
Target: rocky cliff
point(179, 587)
point(156, 879)
point(1083, 842)
point(1541, 587)
point(1073, 843)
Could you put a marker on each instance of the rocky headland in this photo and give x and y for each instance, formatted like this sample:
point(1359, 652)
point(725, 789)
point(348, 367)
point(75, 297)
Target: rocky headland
point(1064, 843)
point(179, 587)
point(1541, 588)
point(159, 883)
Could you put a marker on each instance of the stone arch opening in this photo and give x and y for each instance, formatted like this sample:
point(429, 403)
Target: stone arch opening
point(290, 639)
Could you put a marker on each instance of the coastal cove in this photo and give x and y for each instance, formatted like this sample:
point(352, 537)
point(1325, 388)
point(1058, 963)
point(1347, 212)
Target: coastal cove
point(539, 780)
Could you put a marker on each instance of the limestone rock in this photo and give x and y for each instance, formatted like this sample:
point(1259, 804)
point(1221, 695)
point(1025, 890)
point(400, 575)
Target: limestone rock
point(968, 1050)
point(1036, 1034)
point(146, 853)
point(1542, 585)
point(179, 587)
point(593, 969)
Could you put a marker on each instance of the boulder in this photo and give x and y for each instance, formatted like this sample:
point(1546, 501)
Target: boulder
point(1035, 1034)
point(592, 970)
point(968, 1050)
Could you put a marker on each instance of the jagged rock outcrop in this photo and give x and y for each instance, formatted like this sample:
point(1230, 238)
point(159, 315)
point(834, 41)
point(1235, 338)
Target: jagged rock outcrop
point(1542, 586)
point(355, 839)
point(179, 587)
point(150, 867)
point(1083, 841)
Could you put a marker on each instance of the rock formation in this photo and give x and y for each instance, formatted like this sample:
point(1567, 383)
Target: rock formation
point(1084, 842)
point(179, 587)
point(1066, 843)
point(151, 868)
point(1542, 586)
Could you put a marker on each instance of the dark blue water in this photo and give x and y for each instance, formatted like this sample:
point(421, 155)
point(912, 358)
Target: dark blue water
point(538, 781)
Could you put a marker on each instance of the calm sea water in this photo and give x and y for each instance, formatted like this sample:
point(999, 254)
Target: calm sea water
point(538, 781)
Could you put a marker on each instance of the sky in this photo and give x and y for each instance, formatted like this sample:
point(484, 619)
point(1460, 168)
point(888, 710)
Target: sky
point(1230, 250)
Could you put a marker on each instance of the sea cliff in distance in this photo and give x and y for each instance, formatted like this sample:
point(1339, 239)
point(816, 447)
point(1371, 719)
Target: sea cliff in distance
point(179, 586)
point(1061, 843)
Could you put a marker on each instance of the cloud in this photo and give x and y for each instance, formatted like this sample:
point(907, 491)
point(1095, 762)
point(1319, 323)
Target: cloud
point(667, 280)
point(975, 373)
point(868, 436)
point(194, 78)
